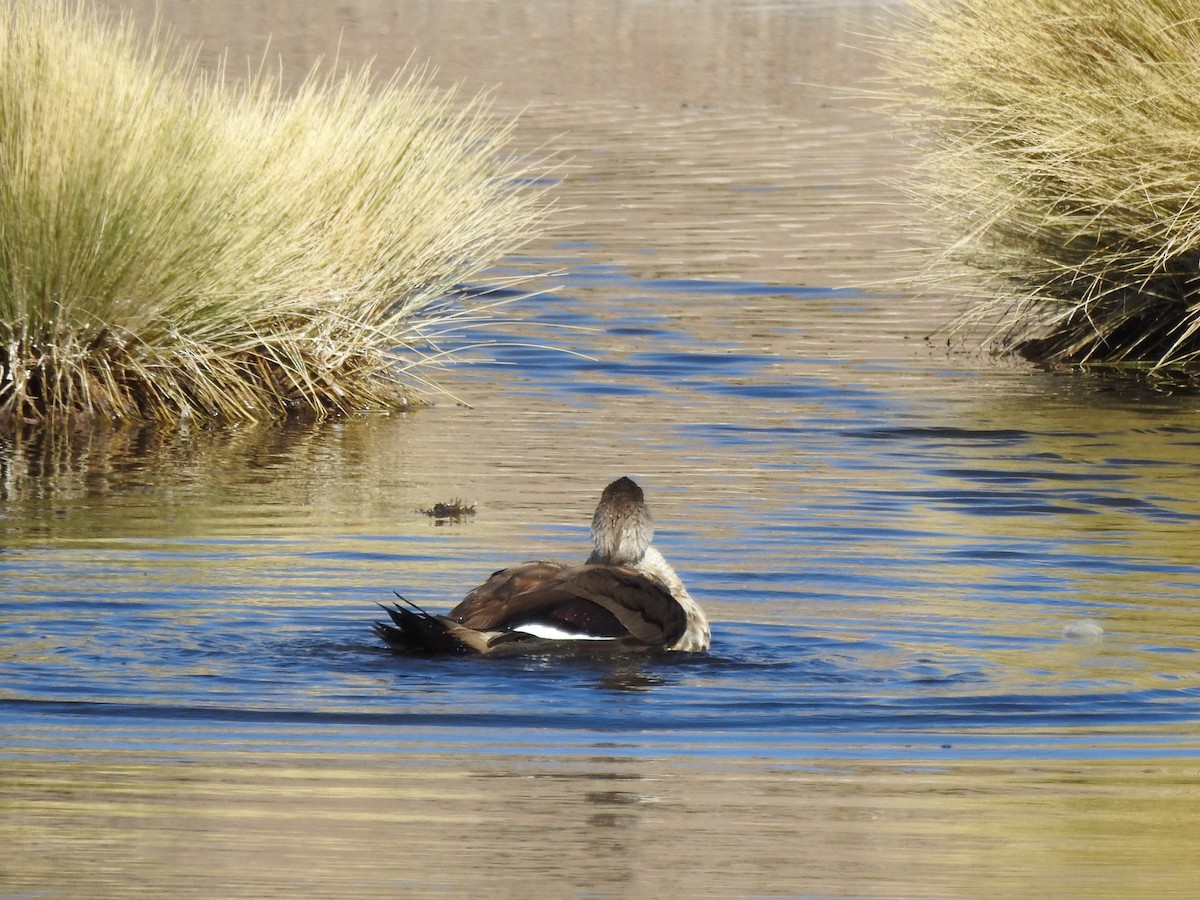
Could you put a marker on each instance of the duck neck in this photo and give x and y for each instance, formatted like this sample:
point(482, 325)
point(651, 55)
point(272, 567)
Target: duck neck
point(620, 538)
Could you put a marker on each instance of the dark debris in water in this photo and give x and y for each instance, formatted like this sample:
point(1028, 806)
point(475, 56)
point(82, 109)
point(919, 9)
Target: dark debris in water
point(451, 512)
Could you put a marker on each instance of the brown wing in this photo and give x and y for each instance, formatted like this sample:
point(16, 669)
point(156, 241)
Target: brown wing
point(488, 606)
point(607, 601)
point(643, 605)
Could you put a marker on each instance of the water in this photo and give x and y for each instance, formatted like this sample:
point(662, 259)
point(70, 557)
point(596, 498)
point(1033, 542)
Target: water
point(888, 575)
point(907, 552)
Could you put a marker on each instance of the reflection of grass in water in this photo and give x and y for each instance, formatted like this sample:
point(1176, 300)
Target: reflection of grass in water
point(1065, 143)
point(166, 481)
point(170, 246)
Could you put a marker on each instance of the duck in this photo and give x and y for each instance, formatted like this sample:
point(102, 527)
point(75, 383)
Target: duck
point(625, 598)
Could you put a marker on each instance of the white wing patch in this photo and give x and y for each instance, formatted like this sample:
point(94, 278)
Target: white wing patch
point(553, 633)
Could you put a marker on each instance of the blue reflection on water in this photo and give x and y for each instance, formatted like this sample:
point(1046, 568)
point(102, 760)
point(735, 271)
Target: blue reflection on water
point(902, 623)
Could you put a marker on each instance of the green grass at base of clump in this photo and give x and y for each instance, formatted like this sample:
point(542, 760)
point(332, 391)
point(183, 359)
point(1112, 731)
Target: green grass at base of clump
point(1063, 171)
point(172, 246)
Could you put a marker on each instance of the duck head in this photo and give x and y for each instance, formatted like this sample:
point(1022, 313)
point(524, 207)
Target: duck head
point(621, 528)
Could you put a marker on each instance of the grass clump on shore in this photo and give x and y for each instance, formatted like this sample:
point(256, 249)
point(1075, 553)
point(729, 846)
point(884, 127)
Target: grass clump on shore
point(1064, 165)
point(171, 246)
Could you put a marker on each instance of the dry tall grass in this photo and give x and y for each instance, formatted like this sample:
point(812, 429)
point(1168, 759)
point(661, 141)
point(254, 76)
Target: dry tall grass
point(171, 246)
point(1064, 165)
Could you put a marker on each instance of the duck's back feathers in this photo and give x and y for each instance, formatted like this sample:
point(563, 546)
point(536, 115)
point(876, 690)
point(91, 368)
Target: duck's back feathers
point(594, 601)
point(541, 607)
point(489, 605)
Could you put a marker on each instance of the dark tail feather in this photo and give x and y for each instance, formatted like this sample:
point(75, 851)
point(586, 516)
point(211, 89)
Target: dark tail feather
point(412, 630)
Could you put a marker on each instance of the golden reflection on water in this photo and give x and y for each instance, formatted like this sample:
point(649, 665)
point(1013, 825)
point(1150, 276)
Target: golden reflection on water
point(601, 826)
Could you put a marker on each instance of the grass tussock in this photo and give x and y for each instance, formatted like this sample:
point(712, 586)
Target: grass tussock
point(172, 246)
point(1064, 165)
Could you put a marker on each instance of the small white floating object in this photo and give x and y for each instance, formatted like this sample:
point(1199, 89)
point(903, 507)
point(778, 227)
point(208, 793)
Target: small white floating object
point(1083, 630)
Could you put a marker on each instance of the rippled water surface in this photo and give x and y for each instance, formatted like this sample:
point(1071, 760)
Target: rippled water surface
point(953, 599)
